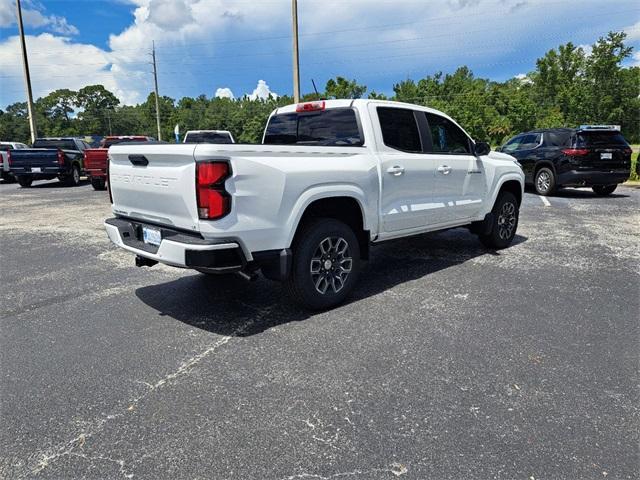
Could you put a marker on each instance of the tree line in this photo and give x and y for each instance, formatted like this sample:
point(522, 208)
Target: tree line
point(568, 87)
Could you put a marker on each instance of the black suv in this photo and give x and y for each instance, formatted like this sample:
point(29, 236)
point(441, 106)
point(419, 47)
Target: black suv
point(595, 156)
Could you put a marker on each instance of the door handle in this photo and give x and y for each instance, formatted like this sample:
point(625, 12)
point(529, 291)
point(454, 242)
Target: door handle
point(444, 169)
point(396, 170)
point(139, 160)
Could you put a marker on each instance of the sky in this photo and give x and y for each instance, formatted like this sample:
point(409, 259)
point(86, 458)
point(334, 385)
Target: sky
point(243, 47)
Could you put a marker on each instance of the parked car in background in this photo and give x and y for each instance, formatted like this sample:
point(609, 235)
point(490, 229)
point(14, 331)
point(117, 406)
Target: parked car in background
point(96, 162)
point(5, 147)
point(595, 156)
point(208, 136)
point(331, 178)
point(49, 158)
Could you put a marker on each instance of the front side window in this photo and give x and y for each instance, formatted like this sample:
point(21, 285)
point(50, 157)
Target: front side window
point(335, 127)
point(400, 129)
point(512, 145)
point(530, 141)
point(446, 136)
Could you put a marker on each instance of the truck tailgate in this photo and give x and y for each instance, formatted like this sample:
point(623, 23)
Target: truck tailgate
point(155, 183)
point(26, 158)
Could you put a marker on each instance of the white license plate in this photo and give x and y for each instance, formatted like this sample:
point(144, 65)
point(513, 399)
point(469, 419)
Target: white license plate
point(606, 156)
point(151, 236)
point(36, 170)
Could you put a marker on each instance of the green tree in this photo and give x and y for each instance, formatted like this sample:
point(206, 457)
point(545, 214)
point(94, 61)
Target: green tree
point(340, 87)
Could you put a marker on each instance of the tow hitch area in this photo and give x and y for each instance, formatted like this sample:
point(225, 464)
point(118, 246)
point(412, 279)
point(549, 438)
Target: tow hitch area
point(144, 262)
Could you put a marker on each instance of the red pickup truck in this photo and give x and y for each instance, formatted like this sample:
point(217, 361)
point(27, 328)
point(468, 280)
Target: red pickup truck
point(96, 162)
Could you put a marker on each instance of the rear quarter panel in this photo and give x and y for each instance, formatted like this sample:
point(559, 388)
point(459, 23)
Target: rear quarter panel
point(271, 186)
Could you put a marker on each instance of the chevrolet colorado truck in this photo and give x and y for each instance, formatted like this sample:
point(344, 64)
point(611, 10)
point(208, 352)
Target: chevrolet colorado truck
point(49, 158)
point(96, 162)
point(330, 179)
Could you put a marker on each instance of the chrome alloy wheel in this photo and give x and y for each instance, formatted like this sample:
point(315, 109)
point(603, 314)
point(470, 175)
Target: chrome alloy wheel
point(76, 176)
point(507, 220)
point(331, 265)
point(543, 182)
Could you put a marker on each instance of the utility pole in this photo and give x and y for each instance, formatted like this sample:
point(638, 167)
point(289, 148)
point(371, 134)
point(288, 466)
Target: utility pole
point(27, 76)
point(296, 56)
point(155, 80)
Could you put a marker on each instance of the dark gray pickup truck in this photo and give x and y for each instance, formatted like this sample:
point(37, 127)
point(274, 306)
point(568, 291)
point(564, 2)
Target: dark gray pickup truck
point(49, 158)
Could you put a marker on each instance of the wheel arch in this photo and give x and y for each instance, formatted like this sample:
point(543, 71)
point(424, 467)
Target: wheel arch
point(347, 208)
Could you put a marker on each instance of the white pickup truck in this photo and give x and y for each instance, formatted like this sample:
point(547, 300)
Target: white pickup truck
point(330, 179)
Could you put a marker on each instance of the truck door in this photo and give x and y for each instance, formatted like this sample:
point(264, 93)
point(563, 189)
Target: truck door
point(460, 179)
point(406, 199)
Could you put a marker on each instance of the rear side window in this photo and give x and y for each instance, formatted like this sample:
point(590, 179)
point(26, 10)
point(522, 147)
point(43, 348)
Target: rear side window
point(208, 137)
point(62, 144)
point(335, 127)
point(600, 139)
point(400, 129)
point(557, 139)
point(446, 136)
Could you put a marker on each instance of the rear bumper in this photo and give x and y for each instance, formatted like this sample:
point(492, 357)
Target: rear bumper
point(96, 172)
point(576, 178)
point(176, 248)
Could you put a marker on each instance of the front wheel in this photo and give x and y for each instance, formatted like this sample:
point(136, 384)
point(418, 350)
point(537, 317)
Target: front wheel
point(326, 264)
point(545, 181)
point(98, 183)
point(504, 222)
point(25, 182)
point(604, 190)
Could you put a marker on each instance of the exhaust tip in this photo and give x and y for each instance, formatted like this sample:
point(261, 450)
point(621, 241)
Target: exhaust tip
point(145, 262)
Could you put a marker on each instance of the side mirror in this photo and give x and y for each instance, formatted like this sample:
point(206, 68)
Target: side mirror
point(482, 148)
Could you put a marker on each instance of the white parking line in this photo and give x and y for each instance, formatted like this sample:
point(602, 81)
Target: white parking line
point(546, 202)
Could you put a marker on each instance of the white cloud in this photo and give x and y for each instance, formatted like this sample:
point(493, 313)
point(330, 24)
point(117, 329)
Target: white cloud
point(524, 78)
point(262, 92)
point(587, 48)
point(633, 32)
point(635, 62)
point(224, 93)
point(33, 16)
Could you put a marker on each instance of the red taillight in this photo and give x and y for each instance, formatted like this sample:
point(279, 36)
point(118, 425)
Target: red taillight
point(575, 152)
point(60, 157)
point(627, 151)
point(9, 157)
point(310, 107)
point(213, 201)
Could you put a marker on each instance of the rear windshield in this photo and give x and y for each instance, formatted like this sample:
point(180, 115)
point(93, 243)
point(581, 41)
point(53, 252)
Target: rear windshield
point(595, 139)
point(62, 144)
point(208, 137)
point(114, 141)
point(336, 127)
point(5, 148)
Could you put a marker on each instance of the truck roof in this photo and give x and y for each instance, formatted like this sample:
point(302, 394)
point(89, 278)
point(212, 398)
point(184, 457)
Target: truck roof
point(359, 102)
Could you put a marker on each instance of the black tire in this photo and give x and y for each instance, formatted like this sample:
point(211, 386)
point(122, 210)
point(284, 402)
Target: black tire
point(73, 179)
point(504, 223)
point(320, 262)
point(604, 190)
point(25, 182)
point(8, 178)
point(98, 183)
point(545, 182)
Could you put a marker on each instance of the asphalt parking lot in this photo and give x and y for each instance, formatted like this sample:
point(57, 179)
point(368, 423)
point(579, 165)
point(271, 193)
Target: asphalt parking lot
point(449, 362)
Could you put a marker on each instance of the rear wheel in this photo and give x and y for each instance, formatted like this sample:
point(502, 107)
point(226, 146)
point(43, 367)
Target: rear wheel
point(98, 183)
point(604, 189)
point(504, 223)
point(72, 180)
point(545, 181)
point(326, 264)
point(8, 178)
point(25, 182)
